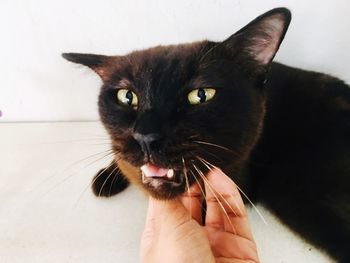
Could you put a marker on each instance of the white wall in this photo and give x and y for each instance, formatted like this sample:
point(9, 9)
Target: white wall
point(36, 84)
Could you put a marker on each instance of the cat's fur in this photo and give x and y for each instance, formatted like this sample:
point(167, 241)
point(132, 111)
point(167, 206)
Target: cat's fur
point(285, 132)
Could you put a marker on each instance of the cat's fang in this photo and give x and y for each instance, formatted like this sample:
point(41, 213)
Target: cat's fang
point(170, 173)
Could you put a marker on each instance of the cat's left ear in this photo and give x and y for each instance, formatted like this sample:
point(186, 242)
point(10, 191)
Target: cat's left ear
point(256, 44)
point(98, 63)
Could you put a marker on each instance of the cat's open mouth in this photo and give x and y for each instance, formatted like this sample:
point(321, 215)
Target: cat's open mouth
point(158, 178)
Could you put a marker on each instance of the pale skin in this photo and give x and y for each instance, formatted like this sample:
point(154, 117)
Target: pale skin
point(173, 231)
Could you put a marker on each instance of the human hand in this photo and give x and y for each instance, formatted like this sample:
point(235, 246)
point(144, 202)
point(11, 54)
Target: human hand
point(173, 230)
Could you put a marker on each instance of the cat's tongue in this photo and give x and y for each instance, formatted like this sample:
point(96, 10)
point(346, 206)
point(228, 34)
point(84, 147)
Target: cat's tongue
point(151, 170)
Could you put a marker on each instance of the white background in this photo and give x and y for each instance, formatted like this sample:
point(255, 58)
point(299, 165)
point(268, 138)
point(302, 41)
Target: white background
point(36, 84)
point(47, 213)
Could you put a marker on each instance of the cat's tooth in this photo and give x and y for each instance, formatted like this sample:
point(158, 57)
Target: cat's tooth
point(143, 176)
point(170, 173)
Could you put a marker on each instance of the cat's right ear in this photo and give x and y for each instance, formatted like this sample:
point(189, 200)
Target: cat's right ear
point(97, 63)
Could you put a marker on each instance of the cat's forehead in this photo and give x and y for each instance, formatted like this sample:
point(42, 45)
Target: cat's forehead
point(166, 59)
point(162, 66)
point(167, 53)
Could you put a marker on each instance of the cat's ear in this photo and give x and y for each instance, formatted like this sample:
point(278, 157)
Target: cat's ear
point(258, 42)
point(97, 63)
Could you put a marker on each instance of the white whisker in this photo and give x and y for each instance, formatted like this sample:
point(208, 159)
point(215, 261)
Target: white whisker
point(213, 192)
point(242, 192)
point(92, 182)
point(187, 185)
point(101, 189)
point(228, 204)
point(216, 145)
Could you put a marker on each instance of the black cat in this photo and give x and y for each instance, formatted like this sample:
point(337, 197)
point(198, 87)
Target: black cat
point(281, 133)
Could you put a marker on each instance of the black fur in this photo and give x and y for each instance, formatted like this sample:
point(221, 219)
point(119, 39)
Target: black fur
point(301, 165)
point(108, 182)
point(284, 131)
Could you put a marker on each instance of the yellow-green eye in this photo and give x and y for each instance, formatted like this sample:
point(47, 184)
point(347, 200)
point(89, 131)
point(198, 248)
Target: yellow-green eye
point(201, 95)
point(127, 97)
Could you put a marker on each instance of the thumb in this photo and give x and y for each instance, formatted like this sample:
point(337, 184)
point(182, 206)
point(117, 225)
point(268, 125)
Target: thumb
point(150, 217)
point(168, 212)
point(149, 235)
point(162, 215)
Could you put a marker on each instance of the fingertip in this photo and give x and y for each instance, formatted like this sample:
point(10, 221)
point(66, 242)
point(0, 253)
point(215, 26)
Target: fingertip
point(193, 206)
point(221, 181)
point(216, 172)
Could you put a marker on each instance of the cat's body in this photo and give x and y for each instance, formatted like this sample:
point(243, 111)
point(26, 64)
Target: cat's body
point(300, 167)
point(282, 134)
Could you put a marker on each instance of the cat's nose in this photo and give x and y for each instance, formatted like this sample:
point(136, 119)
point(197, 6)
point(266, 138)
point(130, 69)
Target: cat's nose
point(146, 141)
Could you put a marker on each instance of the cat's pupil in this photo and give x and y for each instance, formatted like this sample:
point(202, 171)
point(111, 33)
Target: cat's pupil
point(129, 97)
point(201, 95)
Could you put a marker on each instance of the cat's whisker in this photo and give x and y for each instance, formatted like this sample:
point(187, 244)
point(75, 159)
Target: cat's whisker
point(80, 140)
point(187, 185)
point(193, 136)
point(70, 166)
point(203, 194)
point(113, 180)
point(242, 192)
point(227, 203)
point(100, 144)
point(105, 181)
point(92, 182)
point(237, 154)
point(107, 153)
point(111, 153)
point(101, 137)
point(199, 183)
point(65, 179)
point(205, 151)
point(217, 146)
point(211, 189)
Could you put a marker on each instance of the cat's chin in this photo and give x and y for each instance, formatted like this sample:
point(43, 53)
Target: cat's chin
point(163, 183)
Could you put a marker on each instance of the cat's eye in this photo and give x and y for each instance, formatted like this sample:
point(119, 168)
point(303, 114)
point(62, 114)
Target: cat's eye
point(127, 97)
point(200, 95)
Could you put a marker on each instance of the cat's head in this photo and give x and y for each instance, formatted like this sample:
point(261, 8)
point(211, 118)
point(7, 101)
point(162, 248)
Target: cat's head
point(173, 112)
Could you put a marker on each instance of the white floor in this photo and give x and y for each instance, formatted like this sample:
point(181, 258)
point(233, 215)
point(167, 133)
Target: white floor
point(48, 213)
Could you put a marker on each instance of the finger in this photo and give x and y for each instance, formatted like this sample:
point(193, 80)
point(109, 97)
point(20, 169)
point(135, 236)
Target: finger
point(161, 213)
point(150, 211)
point(150, 217)
point(226, 245)
point(149, 231)
point(225, 207)
point(169, 212)
point(192, 201)
point(234, 260)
